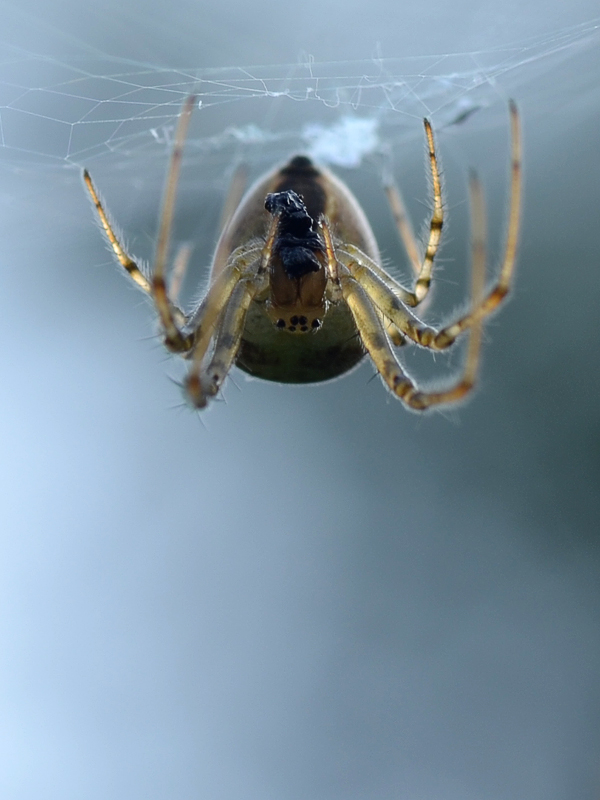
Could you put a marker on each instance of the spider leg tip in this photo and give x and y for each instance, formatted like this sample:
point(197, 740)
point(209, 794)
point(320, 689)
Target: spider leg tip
point(87, 178)
point(194, 392)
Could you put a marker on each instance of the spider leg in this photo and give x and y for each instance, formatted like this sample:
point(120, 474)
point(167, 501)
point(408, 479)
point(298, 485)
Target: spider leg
point(127, 262)
point(235, 192)
point(386, 300)
point(171, 317)
point(222, 313)
point(379, 349)
point(371, 330)
point(403, 223)
point(421, 400)
point(397, 338)
point(203, 383)
point(334, 291)
point(352, 255)
point(246, 261)
point(392, 306)
point(180, 265)
point(202, 321)
point(355, 253)
point(502, 286)
point(122, 256)
point(421, 267)
point(372, 333)
point(174, 339)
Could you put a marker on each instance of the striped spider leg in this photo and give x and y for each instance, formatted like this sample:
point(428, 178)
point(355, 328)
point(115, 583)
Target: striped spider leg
point(371, 297)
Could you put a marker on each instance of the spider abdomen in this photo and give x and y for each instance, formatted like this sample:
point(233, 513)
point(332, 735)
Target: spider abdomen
point(276, 355)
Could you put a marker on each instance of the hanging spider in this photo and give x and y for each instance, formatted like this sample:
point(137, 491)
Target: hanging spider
point(297, 291)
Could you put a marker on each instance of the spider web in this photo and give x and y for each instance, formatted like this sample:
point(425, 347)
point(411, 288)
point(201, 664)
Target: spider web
point(80, 111)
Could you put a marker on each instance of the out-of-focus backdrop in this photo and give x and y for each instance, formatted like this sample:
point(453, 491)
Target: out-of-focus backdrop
point(307, 592)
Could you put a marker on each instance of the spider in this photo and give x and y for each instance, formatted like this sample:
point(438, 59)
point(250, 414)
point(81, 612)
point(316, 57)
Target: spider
point(297, 290)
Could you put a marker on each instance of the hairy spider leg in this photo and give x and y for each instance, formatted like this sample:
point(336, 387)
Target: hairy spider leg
point(220, 317)
point(421, 400)
point(502, 286)
point(403, 223)
point(180, 265)
point(422, 267)
point(171, 317)
point(174, 339)
point(361, 267)
point(369, 324)
point(124, 259)
point(127, 262)
point(235, 192)
point(227, 343)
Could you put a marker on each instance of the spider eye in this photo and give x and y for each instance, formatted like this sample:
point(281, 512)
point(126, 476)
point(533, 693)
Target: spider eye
point(297, 323)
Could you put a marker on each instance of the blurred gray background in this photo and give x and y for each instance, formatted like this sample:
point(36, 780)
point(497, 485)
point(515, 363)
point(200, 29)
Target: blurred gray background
point(308, 592)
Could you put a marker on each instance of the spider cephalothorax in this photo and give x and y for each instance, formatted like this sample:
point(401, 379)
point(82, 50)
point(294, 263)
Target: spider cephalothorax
point(296, 242)
point(296, 266)
point(299, 256)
